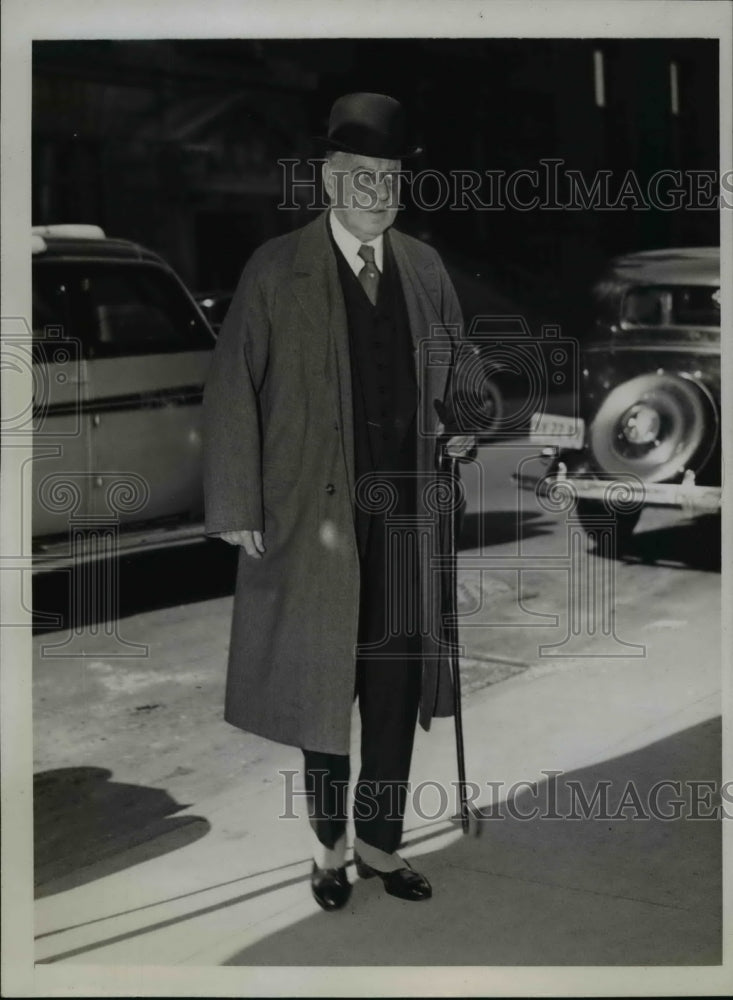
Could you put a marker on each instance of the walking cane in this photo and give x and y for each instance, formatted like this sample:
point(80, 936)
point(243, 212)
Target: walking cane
point(469, 817)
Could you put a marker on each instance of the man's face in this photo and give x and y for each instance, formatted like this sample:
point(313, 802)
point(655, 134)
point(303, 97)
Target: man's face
point(364, 193)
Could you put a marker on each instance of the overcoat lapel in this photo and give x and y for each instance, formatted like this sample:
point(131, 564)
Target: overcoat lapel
point(421, 287)
point(318, 290)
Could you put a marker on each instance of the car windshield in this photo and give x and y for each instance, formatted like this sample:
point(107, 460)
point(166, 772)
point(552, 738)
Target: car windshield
point(672, 305)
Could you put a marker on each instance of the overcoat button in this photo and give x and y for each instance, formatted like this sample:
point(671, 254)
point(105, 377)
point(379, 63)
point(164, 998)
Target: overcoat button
point(330, 488)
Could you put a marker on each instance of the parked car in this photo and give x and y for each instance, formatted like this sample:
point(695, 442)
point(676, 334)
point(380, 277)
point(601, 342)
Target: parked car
point(120, 353)
point(648, 428)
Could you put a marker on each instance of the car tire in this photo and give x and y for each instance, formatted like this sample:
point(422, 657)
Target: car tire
point(588, 512)
point(686, 425)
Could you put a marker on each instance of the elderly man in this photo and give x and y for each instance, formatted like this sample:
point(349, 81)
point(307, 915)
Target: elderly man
point(318, 407)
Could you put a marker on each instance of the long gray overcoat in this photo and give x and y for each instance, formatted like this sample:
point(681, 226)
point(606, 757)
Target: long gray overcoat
point(278, 447)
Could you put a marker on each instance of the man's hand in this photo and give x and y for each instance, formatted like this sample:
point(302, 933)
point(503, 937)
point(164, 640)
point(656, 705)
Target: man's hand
point(251, 541)
point(460, 445)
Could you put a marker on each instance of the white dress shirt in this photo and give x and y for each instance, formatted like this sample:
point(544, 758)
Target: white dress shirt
point(349, 246)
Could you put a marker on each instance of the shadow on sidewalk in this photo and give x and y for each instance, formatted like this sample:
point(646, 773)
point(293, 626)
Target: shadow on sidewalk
point(497, 527)
point(158, 578)
point(690, 544)
point(541, 891)
point(86, 826)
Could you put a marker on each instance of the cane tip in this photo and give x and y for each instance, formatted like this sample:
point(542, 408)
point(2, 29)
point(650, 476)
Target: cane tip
point(475, 826)
point(471, 824)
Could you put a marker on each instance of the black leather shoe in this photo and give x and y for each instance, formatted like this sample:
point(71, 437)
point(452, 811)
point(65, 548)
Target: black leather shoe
point(405, 883)
point(330, 887)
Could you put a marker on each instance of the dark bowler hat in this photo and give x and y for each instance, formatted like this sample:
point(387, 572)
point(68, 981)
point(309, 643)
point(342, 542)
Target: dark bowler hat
point(368, 124)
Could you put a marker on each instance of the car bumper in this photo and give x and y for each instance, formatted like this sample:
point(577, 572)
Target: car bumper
point(686, 496)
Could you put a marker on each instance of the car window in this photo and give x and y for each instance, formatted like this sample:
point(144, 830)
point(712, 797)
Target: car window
point(648, 307)
point(675, 305)
point(53, 310)
point(139, 310)
point(116, 308)
point(697, 305)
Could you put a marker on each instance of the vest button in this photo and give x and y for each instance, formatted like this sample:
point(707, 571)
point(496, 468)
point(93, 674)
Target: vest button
point(330, 488)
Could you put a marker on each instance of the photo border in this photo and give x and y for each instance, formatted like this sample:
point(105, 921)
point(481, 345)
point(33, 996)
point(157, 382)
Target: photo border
point(25, 20)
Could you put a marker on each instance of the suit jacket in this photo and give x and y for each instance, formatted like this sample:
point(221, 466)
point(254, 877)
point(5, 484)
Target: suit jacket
point(278, 457)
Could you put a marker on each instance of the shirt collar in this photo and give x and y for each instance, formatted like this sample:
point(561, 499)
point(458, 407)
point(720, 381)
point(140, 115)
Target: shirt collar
point(349, 245)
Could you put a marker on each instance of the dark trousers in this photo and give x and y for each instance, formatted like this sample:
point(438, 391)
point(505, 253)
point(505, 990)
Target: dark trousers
point(389, 694)
point(388, 690)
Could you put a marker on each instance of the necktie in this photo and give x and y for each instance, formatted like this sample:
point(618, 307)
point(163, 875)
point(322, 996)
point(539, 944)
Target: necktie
point(369, 274)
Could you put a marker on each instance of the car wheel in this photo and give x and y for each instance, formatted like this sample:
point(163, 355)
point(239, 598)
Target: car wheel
point(589, 511)
point(653, 426)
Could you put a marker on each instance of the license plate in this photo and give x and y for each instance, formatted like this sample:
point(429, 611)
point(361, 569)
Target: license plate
point(564, 432)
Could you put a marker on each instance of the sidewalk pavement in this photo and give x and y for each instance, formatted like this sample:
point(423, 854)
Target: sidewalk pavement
point(525, 892)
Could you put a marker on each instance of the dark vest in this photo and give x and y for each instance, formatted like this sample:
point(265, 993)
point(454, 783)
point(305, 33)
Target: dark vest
point(385, 397)
point(382, 369)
